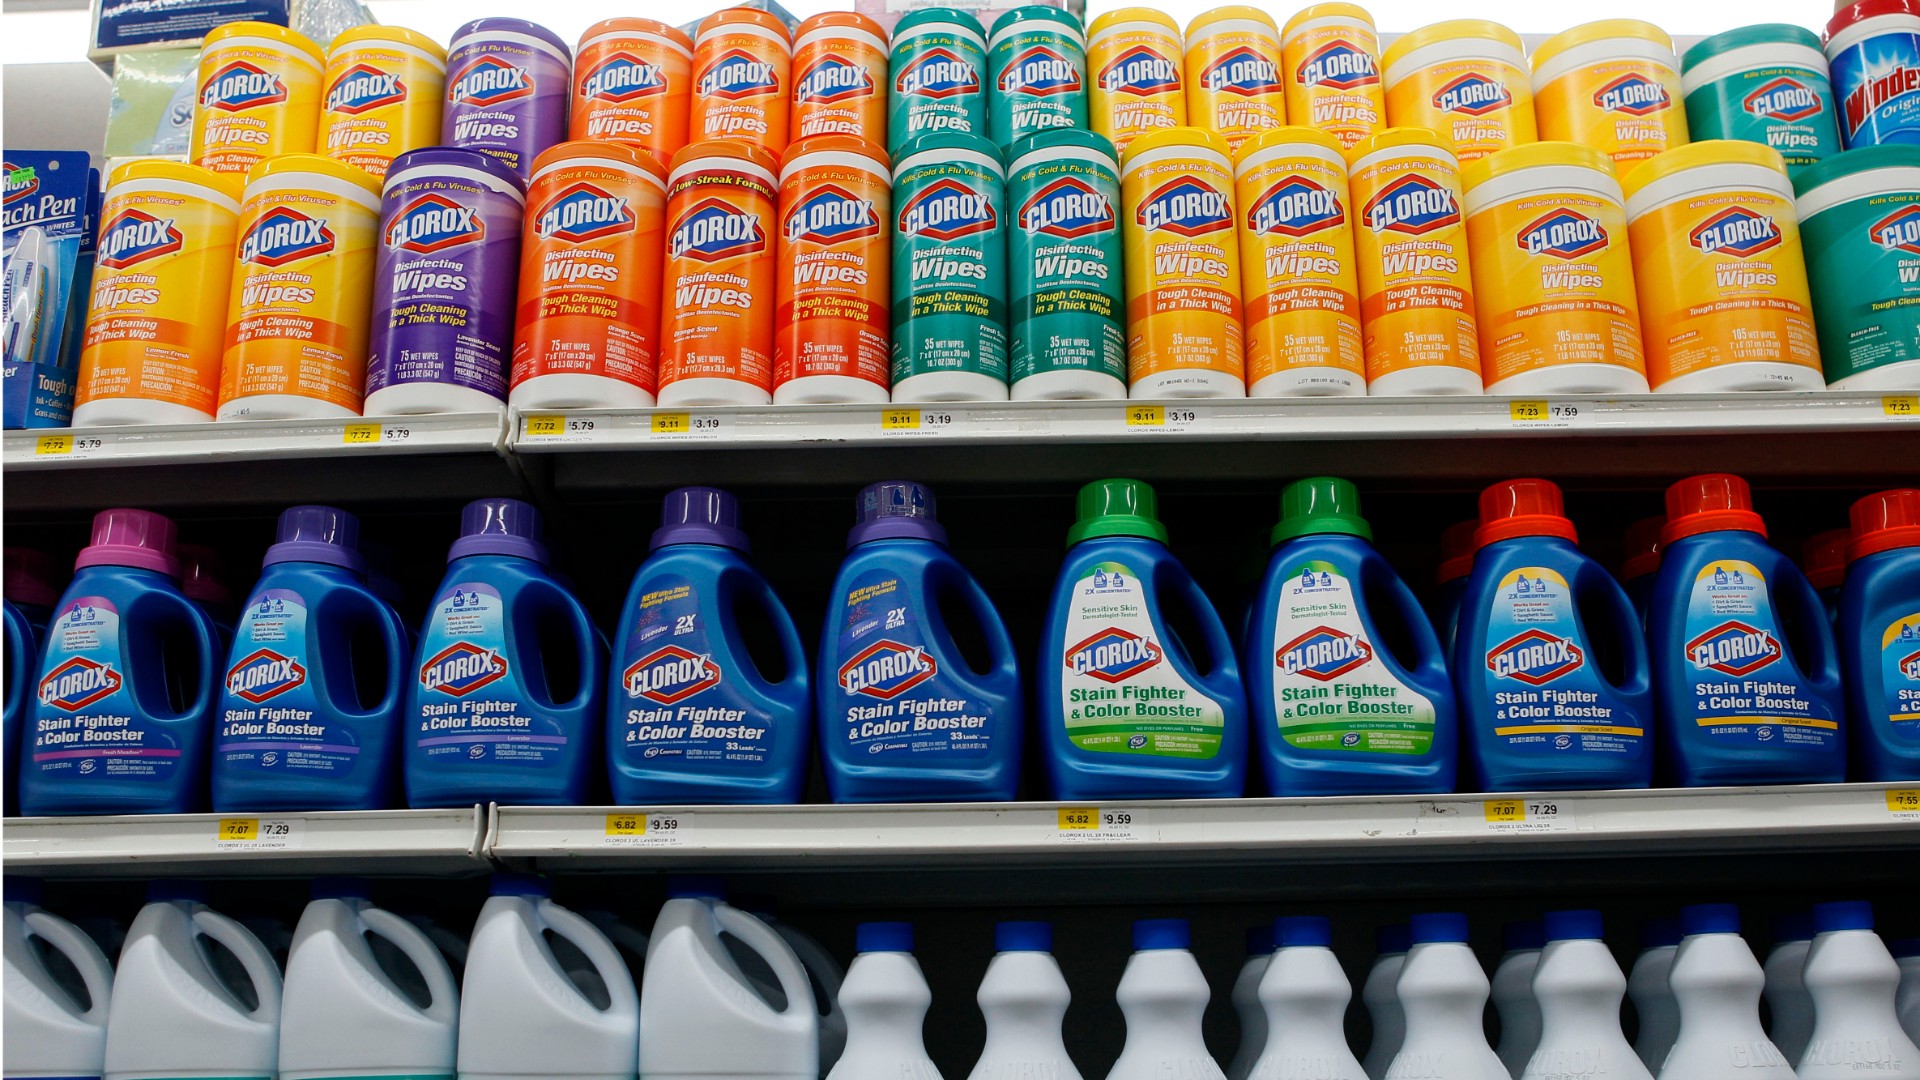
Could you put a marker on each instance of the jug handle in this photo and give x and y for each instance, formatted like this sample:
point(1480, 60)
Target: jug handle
point(210, 658)
point(792, 650)
point(394, 634)
point(1219, 643)
point(253, 956)
point(1626, 628)
point(92, 964)
point(772, 948)
point(999, 644)
point(593, 654)
point(425, 955)
point(603, 956)
point(1429, 655)
point(1811, 613)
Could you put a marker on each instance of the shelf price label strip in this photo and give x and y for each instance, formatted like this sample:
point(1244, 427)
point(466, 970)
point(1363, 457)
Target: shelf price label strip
point(259, 834)
point(69, 446)
point(1528, 815)
point(1101, 824)
point(376, 435)
point(652, 829)
point(1904, 804)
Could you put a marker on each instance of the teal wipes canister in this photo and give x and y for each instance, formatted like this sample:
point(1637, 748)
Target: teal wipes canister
point(1067, 319)
point(1766, 84)
point(1038, 57)
point(1860, 226)
point(939, 66)
point(949, 271)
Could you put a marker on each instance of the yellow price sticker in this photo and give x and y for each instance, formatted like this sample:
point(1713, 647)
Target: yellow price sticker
point(900, 420)
point(1903, 801)
point(360, 434)
point(1505, 811)
point(238, 828)
point(1527, 412)
point(541, 426)
point(1906, 405)
point(52, 444)
point(626, 824)
point(1079, 818)
point(1146, 415)
point(672, 423)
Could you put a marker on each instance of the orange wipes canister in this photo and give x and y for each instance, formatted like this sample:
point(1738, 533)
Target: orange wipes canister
point(1466, 79)
point(1416, 284)
point(721, 270)
point(385, 86)
point(831, 336)
point(162, 267)
point(1330, 59)
point(259, 96)
point(1233, 73)
point(1134, 58)
point(588, 325)
point(1613, 85)
point(840, 77)
point(743, 78)
point(633, 83)
point(1182, 267)
point(1297, 266)
point(302, 292)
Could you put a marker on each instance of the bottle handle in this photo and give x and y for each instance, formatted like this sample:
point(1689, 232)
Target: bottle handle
point(253, 956)
point(96, 971)
point(772, 948)
point(593, 653)
point(1636, 666)
point(445, 1006)
point(1812, 614)
point(1219, 644)
point(599, 952)
point(394, 633)
point(209, 642)
point(791, 649)
point(1428, 654)
point(999, 642)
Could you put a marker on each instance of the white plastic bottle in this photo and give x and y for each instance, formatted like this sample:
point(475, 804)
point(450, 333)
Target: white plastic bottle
point(48, 1032)
point(1579, 988)
point(344, 1016)
point(1305, 995)
point(1853, 979)
point(1716, 983)
point(1245, 997)
point(1024, 998)
point(1381, 999)
point(1906, 1003)
point(1789, 1005)
point(826, 975)
point(1513, 993)
point(1163, 994)
point(885, 1000)
point(1647, 989)
point(521, 1018)
point(173, 1014)
point(1443, 993)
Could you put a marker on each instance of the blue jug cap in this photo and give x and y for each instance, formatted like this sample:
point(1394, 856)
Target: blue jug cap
point(1583, 924)
point(500, 25)
point(696, 886)
point(1392, 938)
point(883, 937)
point(317, 534)
point(1023, 937)
point(699, 515)
point(1842, 915)
point(162, 890)
point(499, 527)
point(895, 510)
point(519, 885)
point(1151, 934)
point(1709, 919)
point(1526, 934)
point(1438, 927)
point(1298, 930)
point(1260, 940)
point(1793, 926)
point(1902, 948)
point(22, 890)
point(1659, 933)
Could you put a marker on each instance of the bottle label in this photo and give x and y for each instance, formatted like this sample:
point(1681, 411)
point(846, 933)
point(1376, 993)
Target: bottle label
point(1741, 692)
point(1547, 695)
point(895, 702)
point(1121, 693)
point(1330, 689)
point(679, 701)
point(1900, 674)
point(271, 718)
point(1785, 106)
point(87, 724)
point(1873, 83)
point(472, 708)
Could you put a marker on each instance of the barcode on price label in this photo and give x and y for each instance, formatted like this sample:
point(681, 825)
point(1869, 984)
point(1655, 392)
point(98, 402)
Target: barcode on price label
point(1529, 815)
point(656, 829)
point(259, 834)
point(1904, 804)
point(1094, 824)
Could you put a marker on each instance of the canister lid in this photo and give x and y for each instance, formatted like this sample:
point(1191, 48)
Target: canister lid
point(295, 164)
point(605, 149)
point(1121, 16)
point(1395, 137)
point(923, 16)
point(1853, 163)
point(1531, 155)
point(1292, 133)
point(834, 144)
point(1604, 30)
point(850, 20)
point(949, 140)
point(1194, 138)
point(227, 184)
point(439, 157)
point(500, 25)
point(1763, 34)
point(746, 16)
point(1051, 138)
point(249, 28)
point(398, 35)
point(1450, 30)
point(1035, 13)
point(737, 149)
point(1229, 13)
point(1868, 9)
point(1353, 12)
point(1694, 155)
point(628, 24)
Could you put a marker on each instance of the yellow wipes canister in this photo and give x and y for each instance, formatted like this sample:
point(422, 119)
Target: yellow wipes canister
point(1330, 60)
point(1613, 85)
point(162, 265)
point(1552, 276)
point(384, 91)
point(1134, 59)
point(1233, 74)
point(1296, 266)
point(1182, 267)
point(1466, 79)
point(1416, 283)
point(259, 96)
point(1724, 303)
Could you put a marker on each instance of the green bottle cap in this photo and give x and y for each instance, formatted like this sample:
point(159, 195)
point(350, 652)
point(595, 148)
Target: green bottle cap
point(1320, 504)
point(1117, 508)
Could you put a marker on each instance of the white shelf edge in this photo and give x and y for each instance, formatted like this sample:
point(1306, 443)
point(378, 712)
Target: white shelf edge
point(389, 841)
point(253, 440)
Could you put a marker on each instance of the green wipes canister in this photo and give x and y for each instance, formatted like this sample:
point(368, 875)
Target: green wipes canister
point(1860, 226)
point(949, 270)
point(1038, 57)
point(939, 65)
point(1766, 84)
point(1068, 317)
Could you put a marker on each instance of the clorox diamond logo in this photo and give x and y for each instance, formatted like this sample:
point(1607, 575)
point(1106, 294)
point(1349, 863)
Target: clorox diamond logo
point(1735, 231)
point(670, 675)
point(1535, 658)
point(832, 215)
point(133, 237)
point(1783, 99)
point(490, 81)
point(1414, 205)
point(1899, 231)
point(21, 188)
point(1910, 667)
point(1140, 71)
point(622, 77)
point(715, 230)
point(433, 223)
point(1040, 72)
point(461, 668)
point(1338, 65)
point(1632, 94)
point(738, 74)
point(1186, 206)
point(263, 675)
point(1113, 655)
point(1243, 72)
point(1323, 654)
point(363, 87)
point(887, 669)
point(1733, 648)
point(832, 79)
point(1472, 94)
point(1295, 206)
point(239, 86)
point(937, 73)
point(1563, 234)
point(284, 235)
point(1067, 208)
point(581, 213)
point(78, 683)
point(947, 210)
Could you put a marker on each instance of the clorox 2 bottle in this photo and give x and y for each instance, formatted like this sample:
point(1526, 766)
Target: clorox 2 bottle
point(1879, 631)
point(691, 718)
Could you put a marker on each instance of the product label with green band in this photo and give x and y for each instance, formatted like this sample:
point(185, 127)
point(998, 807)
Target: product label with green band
point(949, 269)
point(1863, 262)
point(1330, 690)
point(1121, 693)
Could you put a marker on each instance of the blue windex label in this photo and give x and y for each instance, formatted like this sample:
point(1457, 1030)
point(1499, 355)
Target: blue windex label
point(1744, 688)
point(473, 708)
point(894, 699)
point(678, 702)
point(1548, 697)
point(1877, 84)
point(87, 723)
point(272, 716)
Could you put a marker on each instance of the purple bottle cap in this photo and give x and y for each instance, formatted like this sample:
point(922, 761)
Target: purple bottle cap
point(895, 510)
point(317, 534)
point(497, 25)
point(440, 157)
point(499, 527)
point(700, 515)
point(128, 537)
point(29, 577)
point(201, 569)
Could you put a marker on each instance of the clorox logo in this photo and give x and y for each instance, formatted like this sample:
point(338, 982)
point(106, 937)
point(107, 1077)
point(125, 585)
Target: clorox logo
point(948, 210)
point(1414, 205)
point(1185, 206)
point(832, 215)
point(1563, 234)
point(263, 675)
point(1113, 655)
point(1295, 206)
point(1633, 94)
point(78, 683)
point(715, 230)
point(461, 668)
point(134, 236)
point(1140, 71)
point(581, 213)
point(1898, 231)
point(490, 81)
point(1535, 658)
point(241, 85)
point(433, 223)
point(21, 188)
point(670, 675)
point(832, 79)
point(623, 77)
point(284, 235)
point(887, 669)
point(1733, 648)
point(1040, 72)
point(1242, 71)
point(1338, 65)
point(738, 74)
point(1736, 231)
point(1783, 99)
point(937, 73)
point(363, 87)
point(1472, 94)
point(1068, 208)
point(1910, 667)
point(1323, 654)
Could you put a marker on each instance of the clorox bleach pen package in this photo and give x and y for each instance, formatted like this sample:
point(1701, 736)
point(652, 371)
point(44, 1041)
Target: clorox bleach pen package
point(46, 207)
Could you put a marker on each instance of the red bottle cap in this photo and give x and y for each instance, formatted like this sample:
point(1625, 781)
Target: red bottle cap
point(1643, 548)
point(1824, 558)
point(1867, 9)
point(1711, 502)
point(1456, 551)
point(1884, 521)
point(1528, 507)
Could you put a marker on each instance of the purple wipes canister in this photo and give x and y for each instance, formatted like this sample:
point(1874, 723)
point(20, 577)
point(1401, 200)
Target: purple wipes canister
point(508, 85)
point(444, 284)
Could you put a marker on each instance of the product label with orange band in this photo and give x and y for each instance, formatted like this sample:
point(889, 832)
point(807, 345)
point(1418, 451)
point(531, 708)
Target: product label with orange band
point(741, 82)
point(1297, 265)
point(831, 316)
point(1182, 267)
point(720, 278)
point(1416, 285)
point(634, 87)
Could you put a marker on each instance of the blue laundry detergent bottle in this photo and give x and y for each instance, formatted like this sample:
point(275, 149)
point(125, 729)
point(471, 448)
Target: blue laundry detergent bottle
point(19, 661)
point(505, 704)
point(905, 716)
point(309, 717)
point(1880, 636)
point(1126, 710)
point(1549, 664)
point(126, 682)
point(1450, 581)
point(1823, 558)
point(1642, 563)
point(1744, 661)
point(691, 718)
point(1334, 710)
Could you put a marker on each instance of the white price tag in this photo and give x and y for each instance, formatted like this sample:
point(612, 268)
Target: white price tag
point(654, 829)
point(259, 834)
point(69, 447)
point(1534, 415)
point(376, 435)
point(687, 426)
point(1101, 824)
point(559, 428)
point(1150, 418)
point(921, 421)
point(1529, 815)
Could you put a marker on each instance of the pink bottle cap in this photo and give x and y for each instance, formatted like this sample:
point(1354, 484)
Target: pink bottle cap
point(127, 537)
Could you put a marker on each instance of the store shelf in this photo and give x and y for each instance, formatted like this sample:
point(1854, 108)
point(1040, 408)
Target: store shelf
point(413, 842)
